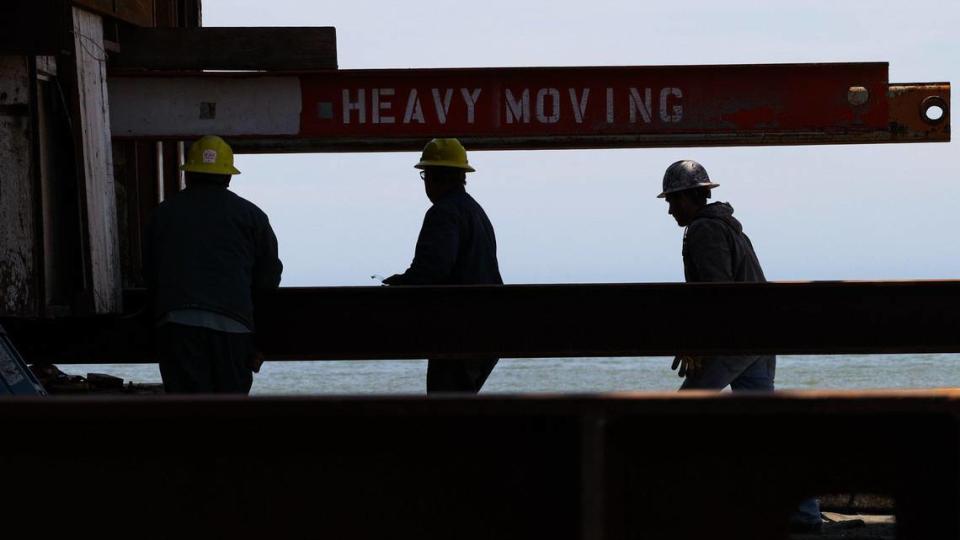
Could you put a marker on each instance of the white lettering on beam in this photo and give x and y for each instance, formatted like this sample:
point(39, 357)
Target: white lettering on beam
point(554, 115)
point(359, 105)
point(644, 105)
point(676, 112)
point(470, 98)
point(579, 104)
point(414, 110)
point(379, 106)
point(442, 107)
point(518, 110)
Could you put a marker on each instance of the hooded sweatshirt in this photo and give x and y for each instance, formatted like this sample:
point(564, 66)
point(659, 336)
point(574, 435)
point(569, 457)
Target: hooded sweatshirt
point(715, 248)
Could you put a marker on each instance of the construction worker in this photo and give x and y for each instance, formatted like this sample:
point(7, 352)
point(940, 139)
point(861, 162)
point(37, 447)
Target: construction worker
point(715, 249)
point(457, 246)
point(207, 251)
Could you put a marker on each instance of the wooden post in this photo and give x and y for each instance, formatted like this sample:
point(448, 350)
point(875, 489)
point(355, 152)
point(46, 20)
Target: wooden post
point(19, 284)
point(138, 194)
point(92, 125)
point(171, 168)
point(62, 229)
point(191, 15)
point(166, 14)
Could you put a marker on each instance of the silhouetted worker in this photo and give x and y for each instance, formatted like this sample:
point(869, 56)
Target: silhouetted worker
point(456, 246)
point(206, 252)
point(715, 249)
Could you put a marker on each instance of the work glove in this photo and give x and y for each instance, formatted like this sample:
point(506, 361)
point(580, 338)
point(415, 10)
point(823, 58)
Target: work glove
point(689, 365)
point(255, 361)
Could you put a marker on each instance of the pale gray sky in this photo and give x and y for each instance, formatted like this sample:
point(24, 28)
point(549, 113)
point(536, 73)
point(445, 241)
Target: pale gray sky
point(817, 212)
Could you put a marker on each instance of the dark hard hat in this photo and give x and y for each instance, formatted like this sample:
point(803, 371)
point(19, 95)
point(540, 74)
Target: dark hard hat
point(683, 175)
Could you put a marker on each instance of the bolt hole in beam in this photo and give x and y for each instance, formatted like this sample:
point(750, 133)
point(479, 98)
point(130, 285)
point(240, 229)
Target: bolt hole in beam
point(934, 113)
point(933, 109)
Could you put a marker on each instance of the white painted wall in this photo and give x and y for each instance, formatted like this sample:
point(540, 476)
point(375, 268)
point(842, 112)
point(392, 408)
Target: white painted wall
point(176, 106)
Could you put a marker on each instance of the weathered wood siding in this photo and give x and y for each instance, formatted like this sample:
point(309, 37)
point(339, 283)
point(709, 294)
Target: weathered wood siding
point(103, 249)
point(18, 284)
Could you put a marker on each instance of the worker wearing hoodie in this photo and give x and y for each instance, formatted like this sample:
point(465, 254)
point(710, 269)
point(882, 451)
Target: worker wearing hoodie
point(715, 249)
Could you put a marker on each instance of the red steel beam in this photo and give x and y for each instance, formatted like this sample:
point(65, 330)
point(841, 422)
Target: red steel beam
point(534, 108)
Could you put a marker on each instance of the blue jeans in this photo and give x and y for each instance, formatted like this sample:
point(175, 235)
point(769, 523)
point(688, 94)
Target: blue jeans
point(747, 373)
point(738, 372)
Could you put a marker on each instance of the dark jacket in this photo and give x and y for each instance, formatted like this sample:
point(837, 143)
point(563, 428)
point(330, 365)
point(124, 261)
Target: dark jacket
point(208, 248)
point(456, 246)
point(715, 248)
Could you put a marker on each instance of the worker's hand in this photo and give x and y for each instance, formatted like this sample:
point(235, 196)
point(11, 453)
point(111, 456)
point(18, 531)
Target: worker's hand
point(255, 361)
point(689, 365)
point(392, 280)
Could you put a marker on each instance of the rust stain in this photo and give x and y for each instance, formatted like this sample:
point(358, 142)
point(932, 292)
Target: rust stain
point(753, 118)
point(907, 108)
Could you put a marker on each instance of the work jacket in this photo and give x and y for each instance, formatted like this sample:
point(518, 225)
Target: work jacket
point(715, 248)
point(208, 248)
point(457, 246)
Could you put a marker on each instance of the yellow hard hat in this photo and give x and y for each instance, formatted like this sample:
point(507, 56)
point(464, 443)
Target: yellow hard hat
point(210, 155)
point(444, 153)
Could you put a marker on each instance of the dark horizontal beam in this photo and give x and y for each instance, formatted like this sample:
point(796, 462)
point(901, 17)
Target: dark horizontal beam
point(564, 468)
point(552, 321)
point(139, 12)
point(34, 27)
point(261, 49)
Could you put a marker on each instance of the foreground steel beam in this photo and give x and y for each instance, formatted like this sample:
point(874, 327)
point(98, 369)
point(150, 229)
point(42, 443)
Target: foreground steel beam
point(535, 108)
point(608, 467)
point(551, 321)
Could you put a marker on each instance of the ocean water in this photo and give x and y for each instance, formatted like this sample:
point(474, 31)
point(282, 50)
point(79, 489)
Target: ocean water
point(574, 375)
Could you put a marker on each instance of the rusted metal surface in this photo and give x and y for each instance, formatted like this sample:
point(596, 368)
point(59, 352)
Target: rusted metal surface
point(550, 321)
point(694, 466)
point(533, 108)
point(910, 107)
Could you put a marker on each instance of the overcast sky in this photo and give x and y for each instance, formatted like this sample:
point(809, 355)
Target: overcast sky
point(563, 216)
